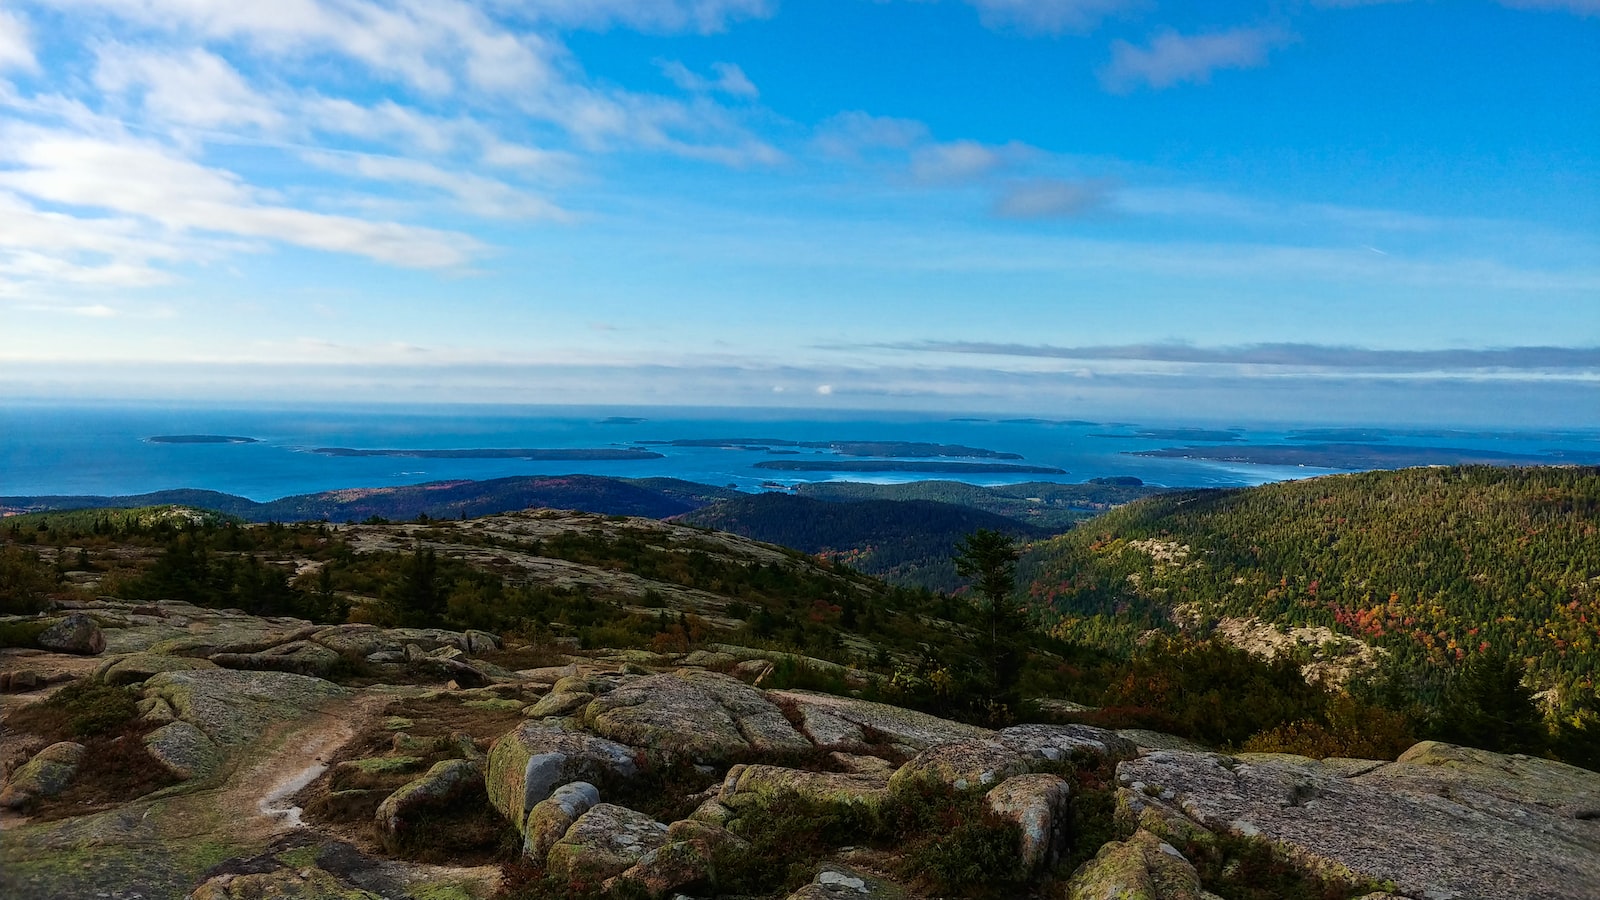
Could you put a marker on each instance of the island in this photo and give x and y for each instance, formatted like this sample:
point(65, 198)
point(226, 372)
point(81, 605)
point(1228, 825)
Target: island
point(1365, 456)
point(912, 449)
point(891, 465)
point(201, 439)
point(559, 454)
point(1118, 481)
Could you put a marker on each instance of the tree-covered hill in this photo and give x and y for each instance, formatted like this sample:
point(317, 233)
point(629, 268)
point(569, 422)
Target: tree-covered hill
point(1045, 504)
point(907, 542)
point(1436, 565)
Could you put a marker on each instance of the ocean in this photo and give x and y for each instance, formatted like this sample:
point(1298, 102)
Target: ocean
point(48, 448)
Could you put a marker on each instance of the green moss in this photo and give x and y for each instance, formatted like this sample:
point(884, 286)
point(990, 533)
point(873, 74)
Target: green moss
point(446, 891)
point(299, 858)
point(378, 765)
point(398, 723)
point(24, 633)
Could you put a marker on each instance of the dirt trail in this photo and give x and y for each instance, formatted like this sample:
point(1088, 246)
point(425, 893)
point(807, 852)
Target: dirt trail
point(258, 792)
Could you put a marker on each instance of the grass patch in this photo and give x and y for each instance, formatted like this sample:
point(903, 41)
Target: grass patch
point(80, 710)
point(116, 769)
point(22, 634)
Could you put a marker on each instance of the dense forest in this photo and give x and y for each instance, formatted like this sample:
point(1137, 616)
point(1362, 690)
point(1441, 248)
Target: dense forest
point(1045, 504)
point(904, 542)
point(1440, 567)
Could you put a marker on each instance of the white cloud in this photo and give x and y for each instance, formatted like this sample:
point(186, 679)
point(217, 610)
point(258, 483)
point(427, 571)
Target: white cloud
point(728, 79)
point(1172, 57)
point(473, 193)
point(824, 389)
point(147, 181)
point(703, 16)
point(16, 45)
point(1050, 16)
point(195, 88)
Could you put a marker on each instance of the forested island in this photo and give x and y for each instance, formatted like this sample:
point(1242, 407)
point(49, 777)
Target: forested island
point(890, 465)
point(911, 449)
point(559, 454)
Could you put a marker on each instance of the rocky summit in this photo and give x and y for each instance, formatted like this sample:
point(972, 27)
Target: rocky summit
point(270, 757)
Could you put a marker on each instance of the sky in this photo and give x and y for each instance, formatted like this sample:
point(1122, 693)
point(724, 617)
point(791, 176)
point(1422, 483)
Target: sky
point(1342, 210)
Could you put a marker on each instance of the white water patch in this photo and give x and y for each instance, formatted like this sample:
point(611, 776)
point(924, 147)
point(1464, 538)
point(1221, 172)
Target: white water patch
point(290, 814)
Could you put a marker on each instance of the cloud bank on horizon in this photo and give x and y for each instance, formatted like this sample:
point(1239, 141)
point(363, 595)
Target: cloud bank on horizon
point(1017, 204)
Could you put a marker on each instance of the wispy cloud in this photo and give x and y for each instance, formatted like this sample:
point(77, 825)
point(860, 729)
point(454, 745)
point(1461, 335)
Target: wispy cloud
point(726, 78)
point(1172, 58)
point(1051, 16)
point(1317, 356)
point(1052, 199)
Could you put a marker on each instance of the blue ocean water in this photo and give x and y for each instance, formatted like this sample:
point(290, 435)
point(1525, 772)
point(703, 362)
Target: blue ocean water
point(102, 449)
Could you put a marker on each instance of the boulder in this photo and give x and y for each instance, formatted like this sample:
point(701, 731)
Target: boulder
point(558, 703)
point(183, 750)
point(1040, 806)
point(550, 818)
point(916, 730)
point(1140, 868)
point(298, 657)
point(136, 667)
point(45, 775)
point(440, 786)
point(836, 882)
point(530, 762)
point(20, 681)
point(701, 716)
point(464, 674)
point(964, 764)
point(751, 786)
point(1443, 821)
point(1060, 742)
point(605, 841)
point(674, 866)
point(234, 707)
point(77, 633)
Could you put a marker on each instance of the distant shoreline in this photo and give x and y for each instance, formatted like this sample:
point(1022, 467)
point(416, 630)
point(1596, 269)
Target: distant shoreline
point(201, 439)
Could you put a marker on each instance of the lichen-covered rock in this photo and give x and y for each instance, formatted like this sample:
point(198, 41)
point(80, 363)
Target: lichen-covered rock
point(528, 763)
point(605, 841)
point(20, 681)
point(136, 667)
point(550, 818)
point(45, 775)
point(298, 657)
point(750, 786)
point(701, 716)
point(1140, 868)
point(916, 730)
point(836, 882)
point(558, 703)
point(445, 783)
point(77, 633)
point(1443, 821)
point(287, 883)
point(1158, 740)
point(1058, 742)
point(183, 750)
point(1040, 805)
point(674, 866)
point(235, 707)
point(964, 764)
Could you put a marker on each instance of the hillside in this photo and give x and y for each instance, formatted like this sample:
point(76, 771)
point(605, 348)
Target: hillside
point(652, 497)
point(905, 542)
point(1436, 566)
point(1042, 504)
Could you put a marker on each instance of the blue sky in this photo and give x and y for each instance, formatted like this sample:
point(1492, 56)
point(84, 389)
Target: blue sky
point(1322, 209)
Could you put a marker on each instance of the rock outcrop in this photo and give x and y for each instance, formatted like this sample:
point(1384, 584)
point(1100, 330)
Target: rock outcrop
point(77, 633)
point(700, 716)
point(530, 762)
point(1441, 822)
point(604, 842)
point(45, 775)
